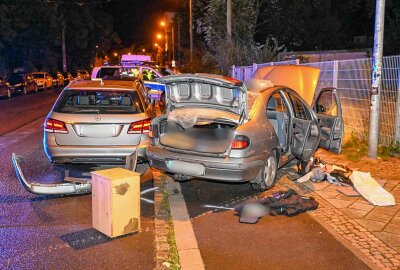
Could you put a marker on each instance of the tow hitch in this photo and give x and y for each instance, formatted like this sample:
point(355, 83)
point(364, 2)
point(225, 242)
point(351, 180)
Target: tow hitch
point(73, 186)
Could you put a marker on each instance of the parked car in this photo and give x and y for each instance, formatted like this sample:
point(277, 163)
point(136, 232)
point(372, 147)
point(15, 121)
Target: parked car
point(22, 83)
point(83, 74)
point(5, 89)
point(98, 121)
point(43, 80)
point(60, 80)
point(68, 78)
point(217, 129)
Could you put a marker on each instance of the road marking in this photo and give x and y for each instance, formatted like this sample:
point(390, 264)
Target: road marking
point(186, 243)
point(218, 207)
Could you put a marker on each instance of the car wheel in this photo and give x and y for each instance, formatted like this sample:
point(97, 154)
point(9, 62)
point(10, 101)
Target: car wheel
point(9, 93)
point(267, 176)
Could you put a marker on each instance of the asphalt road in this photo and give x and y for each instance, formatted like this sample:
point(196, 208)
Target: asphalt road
point(44, 232)
point(273, 243)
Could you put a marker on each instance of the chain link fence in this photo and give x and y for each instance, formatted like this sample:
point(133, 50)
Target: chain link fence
point(352, 78)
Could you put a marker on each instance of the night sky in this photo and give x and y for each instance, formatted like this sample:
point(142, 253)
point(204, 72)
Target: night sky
point(136, 21)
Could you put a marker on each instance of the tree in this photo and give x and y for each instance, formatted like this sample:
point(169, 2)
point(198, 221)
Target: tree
point(242, 50)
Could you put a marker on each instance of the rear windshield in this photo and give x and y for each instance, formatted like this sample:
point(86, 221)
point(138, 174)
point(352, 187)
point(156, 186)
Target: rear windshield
point(99, 102)
point(15, 78)
point(38, 75)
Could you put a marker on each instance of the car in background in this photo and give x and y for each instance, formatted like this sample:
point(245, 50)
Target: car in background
point(83, 74)
point(59, 80)
point(43, 80)
point(5, 90)
point(214, 128)
point(22, 83)
point(98, 121)
point(68, 77)
point(147, 73)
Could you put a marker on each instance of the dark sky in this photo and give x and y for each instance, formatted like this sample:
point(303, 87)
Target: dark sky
point(136, 21)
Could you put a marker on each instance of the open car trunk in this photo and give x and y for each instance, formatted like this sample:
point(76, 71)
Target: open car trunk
point(204, 137)
point(203, 111)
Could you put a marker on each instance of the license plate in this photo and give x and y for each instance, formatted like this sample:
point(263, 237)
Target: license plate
point(186, 168)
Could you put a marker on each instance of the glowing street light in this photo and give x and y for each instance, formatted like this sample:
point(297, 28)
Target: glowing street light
point(156, 44)
point(159, 36)
point(162, 23)
point(144, 50)
point(115, 54)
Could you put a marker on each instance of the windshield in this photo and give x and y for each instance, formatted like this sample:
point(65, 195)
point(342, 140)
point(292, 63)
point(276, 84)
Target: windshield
point(38, 75)
point(99, 102)
point(164, 71)
point(16, 78)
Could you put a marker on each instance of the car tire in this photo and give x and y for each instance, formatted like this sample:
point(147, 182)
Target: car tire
point(267, 177)
point(9, 93)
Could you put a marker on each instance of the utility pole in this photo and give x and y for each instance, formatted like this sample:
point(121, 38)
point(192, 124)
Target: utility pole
point(229, 19)
point(376, 79)
point(64, 52)
point(191, 31)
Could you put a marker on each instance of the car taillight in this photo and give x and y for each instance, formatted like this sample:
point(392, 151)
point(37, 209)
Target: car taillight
point(139, 127)
point(55, 126)
point(240, 142)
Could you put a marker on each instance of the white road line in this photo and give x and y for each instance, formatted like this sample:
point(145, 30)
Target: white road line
point(148, 190)
point(186, 243)
point(218, 207)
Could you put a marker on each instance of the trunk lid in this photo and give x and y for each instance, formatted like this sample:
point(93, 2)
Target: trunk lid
point(205, 91)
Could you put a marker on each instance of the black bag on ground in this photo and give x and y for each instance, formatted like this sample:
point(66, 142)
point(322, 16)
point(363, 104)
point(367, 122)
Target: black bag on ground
point(289, 203)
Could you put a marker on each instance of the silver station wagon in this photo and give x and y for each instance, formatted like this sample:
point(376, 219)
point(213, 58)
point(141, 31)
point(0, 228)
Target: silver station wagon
point(218, 128)
point(98, 121)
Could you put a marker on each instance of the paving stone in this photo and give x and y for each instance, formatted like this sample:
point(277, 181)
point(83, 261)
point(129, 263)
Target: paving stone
point(363, 200)
point(339, 203)
point(326, 194)
point(390, 228)
point(379, 217)
point(361, 206)
point(390, 239)
point(346, 198)
point(355, 213)
point(371, 225)
point(395, 221)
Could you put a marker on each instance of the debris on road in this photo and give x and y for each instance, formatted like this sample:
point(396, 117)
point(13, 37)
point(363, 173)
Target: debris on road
point(71, 186)
point(288, 203)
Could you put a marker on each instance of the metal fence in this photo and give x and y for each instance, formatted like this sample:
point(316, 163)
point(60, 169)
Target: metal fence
point(352, 78)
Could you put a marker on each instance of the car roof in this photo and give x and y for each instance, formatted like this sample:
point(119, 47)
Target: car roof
point(103, 84)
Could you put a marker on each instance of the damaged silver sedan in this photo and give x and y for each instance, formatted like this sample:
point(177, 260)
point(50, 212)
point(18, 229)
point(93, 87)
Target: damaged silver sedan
point(218, 128)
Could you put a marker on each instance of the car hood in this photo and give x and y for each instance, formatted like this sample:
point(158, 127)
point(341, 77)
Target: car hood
point(301, 79)
point(205, 91)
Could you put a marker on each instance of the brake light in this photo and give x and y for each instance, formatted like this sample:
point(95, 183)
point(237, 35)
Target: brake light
point(240, 142)
point(139, 127)
point(55, 126)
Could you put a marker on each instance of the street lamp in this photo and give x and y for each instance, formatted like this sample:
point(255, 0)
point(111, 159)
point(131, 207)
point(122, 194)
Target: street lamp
point(159, 36)
point(162, 23)
point(115, 54)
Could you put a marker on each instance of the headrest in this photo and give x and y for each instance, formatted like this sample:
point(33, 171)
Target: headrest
point(125, 101)
point(272, 104)
point(83, 100)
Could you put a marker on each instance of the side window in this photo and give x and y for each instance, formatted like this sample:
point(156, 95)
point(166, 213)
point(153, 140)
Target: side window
point(298, 107)
point(275, 103)
point(327, 104)
point(148, 74)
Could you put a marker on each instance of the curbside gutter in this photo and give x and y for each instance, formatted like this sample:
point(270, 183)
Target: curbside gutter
point(176, 244)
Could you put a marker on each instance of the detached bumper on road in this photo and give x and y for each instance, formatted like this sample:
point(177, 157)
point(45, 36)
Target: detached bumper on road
point(223, 169)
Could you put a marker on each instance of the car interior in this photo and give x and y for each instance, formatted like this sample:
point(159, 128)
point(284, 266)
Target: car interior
point(278, 116)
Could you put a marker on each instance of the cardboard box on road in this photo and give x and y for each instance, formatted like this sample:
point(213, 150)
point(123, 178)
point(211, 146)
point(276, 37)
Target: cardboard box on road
point(116, 201)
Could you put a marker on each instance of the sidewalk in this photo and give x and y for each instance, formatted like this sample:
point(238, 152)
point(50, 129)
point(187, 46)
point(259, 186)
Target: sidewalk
point(372, 230)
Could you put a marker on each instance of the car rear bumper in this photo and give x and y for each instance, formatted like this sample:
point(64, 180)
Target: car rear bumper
point(215, 168)
point(93, 154)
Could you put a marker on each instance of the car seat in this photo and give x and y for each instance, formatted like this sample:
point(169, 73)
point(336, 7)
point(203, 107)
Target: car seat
point(277, 120)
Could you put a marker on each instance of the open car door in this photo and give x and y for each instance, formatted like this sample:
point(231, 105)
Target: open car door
point(304, 130)
point(329, 113)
